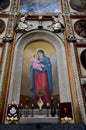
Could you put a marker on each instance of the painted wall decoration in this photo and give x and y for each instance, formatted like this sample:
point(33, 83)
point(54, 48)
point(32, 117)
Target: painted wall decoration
point(4, 4)
point(80, 28)
point(83, 87)
point(13, 112)
point(2, 26)
point(78, 5)
point(81, 59)
point(39, 6)
point(47, 79)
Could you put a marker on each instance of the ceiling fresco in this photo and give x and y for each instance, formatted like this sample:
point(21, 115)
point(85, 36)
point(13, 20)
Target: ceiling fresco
point(40, 6)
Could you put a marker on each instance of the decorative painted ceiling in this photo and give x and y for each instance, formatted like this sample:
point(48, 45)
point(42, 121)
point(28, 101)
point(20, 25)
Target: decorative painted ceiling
point(40, 6)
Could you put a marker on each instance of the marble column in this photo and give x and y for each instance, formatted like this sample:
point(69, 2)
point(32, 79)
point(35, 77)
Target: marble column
point(71, 41)
point(78, 86)
point(3, 74)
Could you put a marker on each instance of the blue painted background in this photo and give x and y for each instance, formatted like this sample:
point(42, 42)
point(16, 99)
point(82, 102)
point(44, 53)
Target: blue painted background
point(39, 6)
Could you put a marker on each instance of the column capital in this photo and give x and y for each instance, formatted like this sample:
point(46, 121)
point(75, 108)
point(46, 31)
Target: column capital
point(7, 39)
point(71, 39)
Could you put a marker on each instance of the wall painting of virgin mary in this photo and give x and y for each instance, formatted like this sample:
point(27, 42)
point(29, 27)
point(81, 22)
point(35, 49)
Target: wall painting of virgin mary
point(39, 73)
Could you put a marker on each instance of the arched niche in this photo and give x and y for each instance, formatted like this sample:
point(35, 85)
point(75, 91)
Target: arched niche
point(16, 76)
point(29, 51)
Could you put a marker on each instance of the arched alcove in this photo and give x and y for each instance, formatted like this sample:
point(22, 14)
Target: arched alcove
point(55, 41)
point(29, 51)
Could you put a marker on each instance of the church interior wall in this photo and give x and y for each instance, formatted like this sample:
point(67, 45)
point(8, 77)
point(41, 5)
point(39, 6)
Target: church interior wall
point(68, 45)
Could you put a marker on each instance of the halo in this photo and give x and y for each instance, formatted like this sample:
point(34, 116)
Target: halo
point(41, 49)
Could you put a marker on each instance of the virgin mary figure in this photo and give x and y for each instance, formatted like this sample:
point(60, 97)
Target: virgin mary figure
point(41, 85)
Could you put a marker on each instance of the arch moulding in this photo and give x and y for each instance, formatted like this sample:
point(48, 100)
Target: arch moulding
point(57, 43)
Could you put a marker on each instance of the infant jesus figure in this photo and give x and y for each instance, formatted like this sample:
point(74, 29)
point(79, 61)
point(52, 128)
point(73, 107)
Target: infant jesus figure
point(36, 63)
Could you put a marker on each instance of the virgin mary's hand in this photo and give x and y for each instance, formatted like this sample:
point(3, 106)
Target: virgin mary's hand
point(42, 66)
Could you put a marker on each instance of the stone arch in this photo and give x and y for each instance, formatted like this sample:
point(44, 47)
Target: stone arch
point(22, 42)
